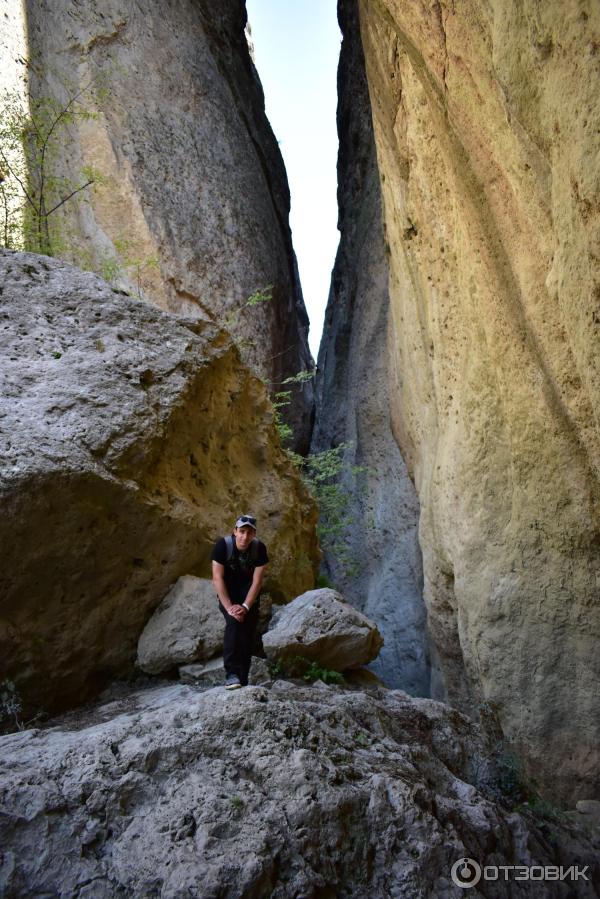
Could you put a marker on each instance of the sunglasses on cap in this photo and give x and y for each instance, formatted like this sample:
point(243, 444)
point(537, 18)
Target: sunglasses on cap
point(245, 520)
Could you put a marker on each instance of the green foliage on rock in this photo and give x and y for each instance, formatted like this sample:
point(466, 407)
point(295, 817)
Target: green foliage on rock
point(11, 706)
point(32, 138)
point(310, 671)
point(325, 474)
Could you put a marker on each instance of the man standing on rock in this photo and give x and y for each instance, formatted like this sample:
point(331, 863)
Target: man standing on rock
point(238, 568)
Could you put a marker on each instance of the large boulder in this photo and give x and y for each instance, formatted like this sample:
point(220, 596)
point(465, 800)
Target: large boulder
point(130, 440)
point(281, 792)
point(322, 627)
point(186, 627)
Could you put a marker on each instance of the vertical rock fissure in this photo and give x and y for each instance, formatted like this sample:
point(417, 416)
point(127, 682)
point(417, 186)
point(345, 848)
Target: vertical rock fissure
point(380, 568)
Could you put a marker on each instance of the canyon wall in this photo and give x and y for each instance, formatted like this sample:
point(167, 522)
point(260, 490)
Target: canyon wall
point(487, 124)
point(379, 569)
point(191, 209)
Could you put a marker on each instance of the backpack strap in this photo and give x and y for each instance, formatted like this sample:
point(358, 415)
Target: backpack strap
point(253, 548)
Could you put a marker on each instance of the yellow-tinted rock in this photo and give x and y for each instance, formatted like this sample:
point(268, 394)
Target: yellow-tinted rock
point(487, 120)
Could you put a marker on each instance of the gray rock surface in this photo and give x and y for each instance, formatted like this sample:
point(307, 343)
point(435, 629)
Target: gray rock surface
point(382, 572)
point(212, 673)
point(194, 206)
point(282, 792)
point(322, 627)
point(186, 627)
point(129, 439)
point(207, 674)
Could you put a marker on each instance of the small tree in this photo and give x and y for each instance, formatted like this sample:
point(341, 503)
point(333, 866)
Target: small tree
point(30, 190)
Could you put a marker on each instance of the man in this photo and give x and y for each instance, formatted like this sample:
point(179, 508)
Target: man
point(238, 567)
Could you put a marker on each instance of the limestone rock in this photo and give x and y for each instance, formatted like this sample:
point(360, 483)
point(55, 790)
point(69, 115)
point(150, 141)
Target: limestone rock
point(186, 627)
point(487, 125)
point(212, 673)
point(321, 627)
point(590, 808)
point(282, 792)
point(193, 212)
point(130, 441)
point(383, 577)
point(207, 674)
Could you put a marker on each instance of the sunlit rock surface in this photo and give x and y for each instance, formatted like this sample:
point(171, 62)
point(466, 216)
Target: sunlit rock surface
point(193, 209)
point(487, 129)
point(284, 791)
point(130, 441)
point(379, 570)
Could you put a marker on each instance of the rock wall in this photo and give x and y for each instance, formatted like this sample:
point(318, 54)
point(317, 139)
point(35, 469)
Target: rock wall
point(131, 439)
point(487, 126)
point(381, 574)
point(193, 209)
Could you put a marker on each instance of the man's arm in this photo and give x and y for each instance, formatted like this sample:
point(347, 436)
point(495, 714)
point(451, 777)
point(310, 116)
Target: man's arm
point(254, 590)
point(218, 579)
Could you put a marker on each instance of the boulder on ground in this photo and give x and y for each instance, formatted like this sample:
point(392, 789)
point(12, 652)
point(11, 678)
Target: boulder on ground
point(187, 627)
point(322, 627)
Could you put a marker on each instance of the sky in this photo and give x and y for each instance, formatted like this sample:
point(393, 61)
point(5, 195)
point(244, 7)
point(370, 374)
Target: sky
point(297, 45)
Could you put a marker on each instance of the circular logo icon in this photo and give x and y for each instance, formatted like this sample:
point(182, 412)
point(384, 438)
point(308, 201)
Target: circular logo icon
point(465, 873)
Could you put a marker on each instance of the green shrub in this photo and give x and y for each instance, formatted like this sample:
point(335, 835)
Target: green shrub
point(32, 138)
point(298, 666)
point(11, 706)
point(324, 582)
point(324, 474)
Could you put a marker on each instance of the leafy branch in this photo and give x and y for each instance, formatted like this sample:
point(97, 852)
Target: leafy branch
point(262, 295)
point(31, 138)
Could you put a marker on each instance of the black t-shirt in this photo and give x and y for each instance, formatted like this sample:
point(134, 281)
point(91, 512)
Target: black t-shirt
point(239, 569)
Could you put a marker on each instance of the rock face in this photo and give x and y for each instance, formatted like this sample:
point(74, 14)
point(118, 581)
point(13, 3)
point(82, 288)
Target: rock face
point(280, 792)
point(487, 126)
point(321, 627)
point(186, 627)
point(193, 211)
point(384, 578)
point(130, 441)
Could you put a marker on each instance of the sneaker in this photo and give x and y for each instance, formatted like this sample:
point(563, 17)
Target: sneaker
point(232, 682)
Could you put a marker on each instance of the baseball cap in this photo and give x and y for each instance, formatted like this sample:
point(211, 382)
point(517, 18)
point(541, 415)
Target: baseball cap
point(246, 521)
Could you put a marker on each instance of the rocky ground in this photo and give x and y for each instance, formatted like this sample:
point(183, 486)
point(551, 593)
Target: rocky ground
point(283, 790)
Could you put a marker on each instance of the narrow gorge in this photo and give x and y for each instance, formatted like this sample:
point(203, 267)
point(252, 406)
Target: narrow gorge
point(458, 377)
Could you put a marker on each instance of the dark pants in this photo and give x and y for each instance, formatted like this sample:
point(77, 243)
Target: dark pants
point(238, 642)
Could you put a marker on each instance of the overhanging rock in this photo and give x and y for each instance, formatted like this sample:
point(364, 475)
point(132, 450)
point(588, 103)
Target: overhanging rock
point(130, 441)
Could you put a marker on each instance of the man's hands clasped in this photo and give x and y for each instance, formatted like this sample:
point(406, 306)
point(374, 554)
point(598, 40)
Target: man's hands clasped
point(237, 612)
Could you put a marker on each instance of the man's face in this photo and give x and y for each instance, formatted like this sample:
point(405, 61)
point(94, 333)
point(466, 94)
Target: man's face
point(244, 536)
